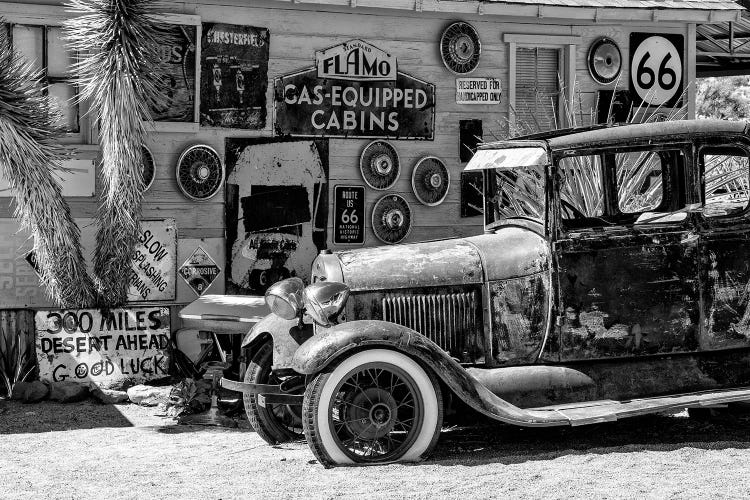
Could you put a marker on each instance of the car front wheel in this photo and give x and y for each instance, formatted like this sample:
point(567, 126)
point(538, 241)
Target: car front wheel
point(375, 406)
point(275, 423)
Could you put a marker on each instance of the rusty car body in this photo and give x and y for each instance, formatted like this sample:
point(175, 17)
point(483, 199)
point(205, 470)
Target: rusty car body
point(612, 280)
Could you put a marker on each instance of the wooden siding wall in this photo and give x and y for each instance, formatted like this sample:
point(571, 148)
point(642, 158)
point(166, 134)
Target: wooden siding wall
point(297, 31)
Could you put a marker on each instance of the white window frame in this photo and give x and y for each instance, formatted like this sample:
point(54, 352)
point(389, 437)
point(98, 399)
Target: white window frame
point(566, 45)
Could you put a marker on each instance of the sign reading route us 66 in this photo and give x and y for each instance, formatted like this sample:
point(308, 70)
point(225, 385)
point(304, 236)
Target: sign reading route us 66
point(656, 69)
point(199, 271)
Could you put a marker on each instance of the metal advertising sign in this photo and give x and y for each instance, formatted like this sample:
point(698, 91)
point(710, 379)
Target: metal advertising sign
point(199, 271)
point(656, 69)
point(234, 62)
point(349, 210)
point(355, 90)
point(154, 262)
point(356, 60)
point(177, 69)
point(478, 91)
point(85, 345)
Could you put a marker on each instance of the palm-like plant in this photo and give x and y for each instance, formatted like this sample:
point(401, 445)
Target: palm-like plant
point(29, 154)
point(117, 42)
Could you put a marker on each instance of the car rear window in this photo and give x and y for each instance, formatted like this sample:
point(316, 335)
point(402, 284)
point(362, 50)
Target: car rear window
point(639, 181)
point(727, 181)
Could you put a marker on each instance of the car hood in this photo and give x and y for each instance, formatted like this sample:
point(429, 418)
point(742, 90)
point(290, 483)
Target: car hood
point(508, 253)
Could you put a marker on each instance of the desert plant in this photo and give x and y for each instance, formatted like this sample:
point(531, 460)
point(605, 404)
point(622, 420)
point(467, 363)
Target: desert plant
point(118, 42)
point(29, 154)
point(16, 361)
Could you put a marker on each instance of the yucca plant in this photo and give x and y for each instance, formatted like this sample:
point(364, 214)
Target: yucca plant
point(16, 362)
point(29, 155)
point(118, 45)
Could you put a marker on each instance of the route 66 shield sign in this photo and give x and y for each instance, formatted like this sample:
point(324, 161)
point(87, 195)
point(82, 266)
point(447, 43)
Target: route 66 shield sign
point(657, 69)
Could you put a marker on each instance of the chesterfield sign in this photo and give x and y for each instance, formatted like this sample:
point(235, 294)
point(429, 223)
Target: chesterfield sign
point(355, 90)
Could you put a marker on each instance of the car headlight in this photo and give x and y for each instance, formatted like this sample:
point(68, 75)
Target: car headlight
point(285, 298)
point(325, 300)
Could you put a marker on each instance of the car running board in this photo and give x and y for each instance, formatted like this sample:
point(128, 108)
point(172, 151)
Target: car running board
point(594, 412)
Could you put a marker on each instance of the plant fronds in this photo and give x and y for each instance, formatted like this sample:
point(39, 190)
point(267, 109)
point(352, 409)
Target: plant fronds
point(118, 42)
point(582, 185)
point(17, 357)
point(29, 154)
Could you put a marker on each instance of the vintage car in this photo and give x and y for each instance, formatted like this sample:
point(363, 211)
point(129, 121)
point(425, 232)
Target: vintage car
point(612, 280)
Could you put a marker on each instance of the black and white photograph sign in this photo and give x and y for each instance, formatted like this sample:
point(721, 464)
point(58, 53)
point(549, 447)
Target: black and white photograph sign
point(349, 209)
point(656, 69)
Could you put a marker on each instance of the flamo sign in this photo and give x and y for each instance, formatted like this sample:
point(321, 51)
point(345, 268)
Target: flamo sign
point(355, 90)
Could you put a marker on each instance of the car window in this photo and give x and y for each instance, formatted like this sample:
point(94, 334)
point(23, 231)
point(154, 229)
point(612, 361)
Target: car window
point(727, 181)
point(581, 186)
point(639, 181)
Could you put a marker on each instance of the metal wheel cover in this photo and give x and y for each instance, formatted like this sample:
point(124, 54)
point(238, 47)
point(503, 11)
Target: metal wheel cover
point(391, 218)
point(149, 167)
point(430, 181)
point(377, 413)
point(380, 165)
point(460, 48)
point(200, 173)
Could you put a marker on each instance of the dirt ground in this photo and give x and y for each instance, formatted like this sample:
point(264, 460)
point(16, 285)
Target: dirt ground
point(89, 450)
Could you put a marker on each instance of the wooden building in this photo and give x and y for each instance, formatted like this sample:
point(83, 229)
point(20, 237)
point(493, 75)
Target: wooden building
point(320, 110)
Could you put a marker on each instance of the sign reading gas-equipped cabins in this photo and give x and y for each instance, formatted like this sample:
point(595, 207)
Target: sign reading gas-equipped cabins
point(234, 68)
point(349, 210)
point(107, 348)
point(355, 90)
point(478, 91)
point(153, 271)
point(656, 68)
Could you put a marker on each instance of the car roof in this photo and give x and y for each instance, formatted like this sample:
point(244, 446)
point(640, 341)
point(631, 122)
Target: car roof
point(618, 134)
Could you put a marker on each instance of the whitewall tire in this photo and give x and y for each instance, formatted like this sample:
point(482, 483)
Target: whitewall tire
point(375, 406)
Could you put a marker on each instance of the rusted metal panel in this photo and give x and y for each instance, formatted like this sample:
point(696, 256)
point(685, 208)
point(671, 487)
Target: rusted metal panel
point(511, 252)
point(435, 263)
point(519, 309)
point(104, 347)
point(627, 295)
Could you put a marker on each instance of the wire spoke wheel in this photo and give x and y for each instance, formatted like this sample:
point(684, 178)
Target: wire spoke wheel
point(376, 413)
point(274, 423)
point(377, 406)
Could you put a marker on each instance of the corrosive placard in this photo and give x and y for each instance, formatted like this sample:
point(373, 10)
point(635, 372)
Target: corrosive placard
point(478, 91)
point(85, 345)
point(199, 271)
point(349, 210)
point(153, 273)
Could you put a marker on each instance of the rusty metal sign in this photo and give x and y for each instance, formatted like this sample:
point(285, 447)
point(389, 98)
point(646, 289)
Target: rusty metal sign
point(308, 106)
point(87, 345)
point(199, 271)
point(234, 68)
point(153, 271)
point(356, 60)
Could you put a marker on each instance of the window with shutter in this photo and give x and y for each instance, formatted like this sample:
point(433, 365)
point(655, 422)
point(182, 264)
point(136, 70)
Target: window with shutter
point(44, 48)
point(537, 88)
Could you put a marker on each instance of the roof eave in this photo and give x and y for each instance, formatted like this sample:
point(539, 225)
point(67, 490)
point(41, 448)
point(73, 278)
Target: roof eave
point(597, 14)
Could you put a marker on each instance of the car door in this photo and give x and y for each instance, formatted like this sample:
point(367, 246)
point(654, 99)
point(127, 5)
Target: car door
point(625, 256)
point(725, 245)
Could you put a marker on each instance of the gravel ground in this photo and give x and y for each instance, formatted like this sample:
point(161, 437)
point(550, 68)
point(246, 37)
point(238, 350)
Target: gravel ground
point(89, 450)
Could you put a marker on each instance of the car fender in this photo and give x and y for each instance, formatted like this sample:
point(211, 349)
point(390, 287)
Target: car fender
point(285, 334)
point(331, 344)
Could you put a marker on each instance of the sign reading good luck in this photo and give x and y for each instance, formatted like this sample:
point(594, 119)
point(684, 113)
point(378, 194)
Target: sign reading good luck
point(104, 347)
point(355, 90)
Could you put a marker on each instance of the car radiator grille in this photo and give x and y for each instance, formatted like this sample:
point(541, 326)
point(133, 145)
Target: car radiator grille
point(446, 319)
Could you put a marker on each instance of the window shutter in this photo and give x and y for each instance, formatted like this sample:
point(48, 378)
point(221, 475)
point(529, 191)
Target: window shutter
point(537, 89)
